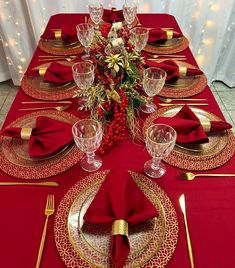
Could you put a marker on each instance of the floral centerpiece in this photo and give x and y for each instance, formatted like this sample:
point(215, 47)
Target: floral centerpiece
point(117, 93)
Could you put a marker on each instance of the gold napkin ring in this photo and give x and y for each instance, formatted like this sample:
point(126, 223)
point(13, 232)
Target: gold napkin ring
point(182, 70)
point(206, 125)
point(120, 227)
point(25, 133)
point(169, 34)
point(42, 71)
point(58, 34)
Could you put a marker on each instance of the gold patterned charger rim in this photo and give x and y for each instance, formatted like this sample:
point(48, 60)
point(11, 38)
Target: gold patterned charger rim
point(36, 88)
point(216, 154)
point(53, 47)
point(71, 258)
point(185, 86)
point(14, 158)
point(171, 46)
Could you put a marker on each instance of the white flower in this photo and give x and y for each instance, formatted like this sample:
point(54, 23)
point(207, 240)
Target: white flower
point(117, 26)
point(118, 42)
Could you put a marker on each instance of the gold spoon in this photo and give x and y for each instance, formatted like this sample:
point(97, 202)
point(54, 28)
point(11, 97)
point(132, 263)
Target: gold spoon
point(168, 100)
point(58, 108)
point(58, 59)
point(182, 104)
point(167, 55)
point(190, 176)
point(33, 102)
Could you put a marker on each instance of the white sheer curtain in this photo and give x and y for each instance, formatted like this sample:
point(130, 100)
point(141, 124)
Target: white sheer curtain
point(209, 25)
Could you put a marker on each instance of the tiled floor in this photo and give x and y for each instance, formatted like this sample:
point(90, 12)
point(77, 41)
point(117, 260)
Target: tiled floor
point(224, 95)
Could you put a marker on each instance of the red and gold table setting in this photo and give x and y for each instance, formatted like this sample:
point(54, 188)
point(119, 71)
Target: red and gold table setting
point(79, 232)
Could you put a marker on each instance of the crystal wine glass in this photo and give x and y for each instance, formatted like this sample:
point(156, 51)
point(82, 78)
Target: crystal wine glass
point(160, 141)
point(139, 37)
point(87, 135)
point(85, 33)
point(129, 12)
point(96, 11)
point(83, 74)
point(153, 81)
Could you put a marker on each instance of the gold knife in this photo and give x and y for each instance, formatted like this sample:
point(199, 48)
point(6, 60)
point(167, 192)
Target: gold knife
point(183, 209)
point(182, 104)
point(45, 183)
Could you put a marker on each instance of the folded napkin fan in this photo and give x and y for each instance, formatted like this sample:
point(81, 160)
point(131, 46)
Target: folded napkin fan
point(48, 136)
point(113, 15)
point(173, 70)
point(158, 34)
point(66, 33)
point(119, 201)
point(54, 73)
point(189, 128)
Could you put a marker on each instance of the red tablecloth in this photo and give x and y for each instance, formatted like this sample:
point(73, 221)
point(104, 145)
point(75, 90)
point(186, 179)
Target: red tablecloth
point(210, 201)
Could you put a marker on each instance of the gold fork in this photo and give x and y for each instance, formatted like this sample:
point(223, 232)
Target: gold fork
point(49, 210)
point(58, 108)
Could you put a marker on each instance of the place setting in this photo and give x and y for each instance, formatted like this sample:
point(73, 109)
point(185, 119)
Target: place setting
point(204, 141)
point(39, 145)
point(165, 41)
point(87, 235)
point(62, 41)
point(183, 79)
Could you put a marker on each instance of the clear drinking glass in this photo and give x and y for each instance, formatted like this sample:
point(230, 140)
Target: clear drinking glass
point(85, 33)
point(96, 11)
point(139, 37)
point(87, 135)
point(83, 74)
point(160, 141)
point(153, 81)
point(129, 12)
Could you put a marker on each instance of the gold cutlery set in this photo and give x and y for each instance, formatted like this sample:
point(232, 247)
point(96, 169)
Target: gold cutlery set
point(168, 102)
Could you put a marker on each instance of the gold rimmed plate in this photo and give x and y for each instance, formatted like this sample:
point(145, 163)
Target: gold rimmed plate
point(87, 245)
point(186, 86)
point(36, 88)
point(171, 46)
point(59, 47)
point(216, 152)
point(14, 158)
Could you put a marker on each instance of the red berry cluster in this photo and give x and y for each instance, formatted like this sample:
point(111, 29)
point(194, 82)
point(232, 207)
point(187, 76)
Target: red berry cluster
point(104, 29)
point(117, 129)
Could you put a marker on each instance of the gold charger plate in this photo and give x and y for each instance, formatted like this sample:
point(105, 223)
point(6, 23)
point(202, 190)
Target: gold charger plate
point(59, 47)
point(215, 153)
point(36, 88)
point(171, 46)
point(14, 158)
point(184, 86)
point(153, 242)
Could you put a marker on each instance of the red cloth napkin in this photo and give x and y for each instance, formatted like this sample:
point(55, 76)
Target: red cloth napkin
point(172, 69)
point(67, 34)
point(113, 15)
point(120, 198)
point(48, 136)
point(55, 73)
point(158, 34)
point(188, 126)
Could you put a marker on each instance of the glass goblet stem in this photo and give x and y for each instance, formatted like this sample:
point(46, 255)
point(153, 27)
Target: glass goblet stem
point(90, 158)
point(155, 163)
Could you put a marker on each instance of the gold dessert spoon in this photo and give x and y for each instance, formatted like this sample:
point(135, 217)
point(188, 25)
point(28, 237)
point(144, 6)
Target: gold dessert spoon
point(190, 176)
point(168, 100)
